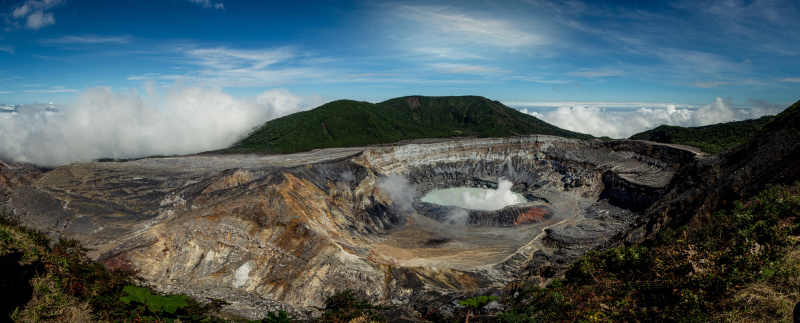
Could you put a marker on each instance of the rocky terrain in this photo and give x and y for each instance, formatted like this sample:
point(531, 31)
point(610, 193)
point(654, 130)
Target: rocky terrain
point(287, 231)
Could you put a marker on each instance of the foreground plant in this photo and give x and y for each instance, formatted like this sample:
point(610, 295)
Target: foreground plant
point(476, 303)
point(346, 306)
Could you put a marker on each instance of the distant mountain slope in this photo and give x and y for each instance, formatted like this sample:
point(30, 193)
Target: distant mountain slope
point(347, 123)
point(711, 139)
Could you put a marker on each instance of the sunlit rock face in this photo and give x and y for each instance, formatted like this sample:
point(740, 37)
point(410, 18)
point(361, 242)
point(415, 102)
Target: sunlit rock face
point(285, 232)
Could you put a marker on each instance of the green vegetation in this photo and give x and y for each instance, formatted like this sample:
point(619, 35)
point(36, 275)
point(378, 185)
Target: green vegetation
point(152, 302)
point(281, 317)
point(712, 139)
point(347, 307)
point(741, 264)
point(478, 302)
point(346, 123)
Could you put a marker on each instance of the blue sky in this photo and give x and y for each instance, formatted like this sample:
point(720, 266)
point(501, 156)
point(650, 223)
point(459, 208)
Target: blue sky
point(682, 52)
point(130, 78)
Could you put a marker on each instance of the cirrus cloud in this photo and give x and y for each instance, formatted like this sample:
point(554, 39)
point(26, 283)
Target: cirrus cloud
point(208, 4)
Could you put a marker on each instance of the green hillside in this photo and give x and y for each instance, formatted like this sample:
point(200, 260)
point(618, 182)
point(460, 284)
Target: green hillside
point(711, 139)
point(347, 123)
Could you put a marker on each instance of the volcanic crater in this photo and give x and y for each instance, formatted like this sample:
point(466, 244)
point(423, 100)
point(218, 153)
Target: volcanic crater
point(286, 231)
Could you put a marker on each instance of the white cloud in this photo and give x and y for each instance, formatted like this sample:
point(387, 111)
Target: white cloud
point(604, 104)
point(7, 49)
point(225, 67)
point(791, 79)
point(448, 53)
point(446, 25)
point(208, 4)
point(52, 58)
point(39, 19)
point(104, 124)
point(467, 69)
point(224, 58)
point(587, 119)
point(712, 84)
point(33, 14)
point(598, 73)
point(599, 121)
point(56, 90)
point(87, 39)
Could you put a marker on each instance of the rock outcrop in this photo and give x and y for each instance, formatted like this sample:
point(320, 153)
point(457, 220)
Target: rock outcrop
point(285, 232)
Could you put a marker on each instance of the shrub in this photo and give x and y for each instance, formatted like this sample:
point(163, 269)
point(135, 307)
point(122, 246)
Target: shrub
point(346, 306)
point(478, 302)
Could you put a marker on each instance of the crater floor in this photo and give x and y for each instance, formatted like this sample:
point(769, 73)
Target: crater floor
point(427, 243)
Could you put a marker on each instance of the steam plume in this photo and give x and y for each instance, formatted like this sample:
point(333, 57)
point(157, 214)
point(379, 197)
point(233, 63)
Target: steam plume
point(492, 199)
point(104, 124)
point(457, 216)
point(401, 193)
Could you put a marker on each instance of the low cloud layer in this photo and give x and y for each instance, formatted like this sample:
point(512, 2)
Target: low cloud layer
point(101, 123)
point(598, 121)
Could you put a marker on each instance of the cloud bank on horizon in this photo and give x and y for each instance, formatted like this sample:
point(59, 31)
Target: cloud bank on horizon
point(598, 121)
point(101, 123)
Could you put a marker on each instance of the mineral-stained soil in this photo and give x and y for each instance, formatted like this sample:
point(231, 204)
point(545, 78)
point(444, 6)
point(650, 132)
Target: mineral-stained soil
point(287, 231)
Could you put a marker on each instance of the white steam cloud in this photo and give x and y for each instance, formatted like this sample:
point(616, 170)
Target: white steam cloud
point(104, 124)
point(401, 193)
point(598, 121)
point(492, 199)
point(457, 216)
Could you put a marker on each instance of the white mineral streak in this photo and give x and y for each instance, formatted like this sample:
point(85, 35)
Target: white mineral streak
point(241, 275)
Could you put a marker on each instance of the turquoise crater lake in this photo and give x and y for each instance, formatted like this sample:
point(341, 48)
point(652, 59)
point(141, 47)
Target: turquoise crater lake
point(476, 198)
